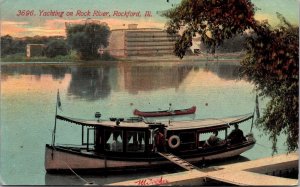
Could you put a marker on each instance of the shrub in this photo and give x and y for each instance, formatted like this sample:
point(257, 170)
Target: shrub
point(55, 48)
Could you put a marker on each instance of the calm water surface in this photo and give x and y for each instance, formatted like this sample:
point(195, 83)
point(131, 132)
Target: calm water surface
point(28, 98)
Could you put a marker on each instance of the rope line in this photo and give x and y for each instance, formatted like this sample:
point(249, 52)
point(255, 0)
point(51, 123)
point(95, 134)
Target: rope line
point(86, 182)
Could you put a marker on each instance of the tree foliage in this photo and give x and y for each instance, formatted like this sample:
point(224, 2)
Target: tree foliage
point(271, 63)
point(87, 38)
point(212, 20)
point(11, 45)
point(55, 48)
point(6, 43)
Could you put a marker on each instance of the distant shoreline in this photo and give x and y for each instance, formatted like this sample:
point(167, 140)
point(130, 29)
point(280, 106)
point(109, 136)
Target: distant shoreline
point(230, 58)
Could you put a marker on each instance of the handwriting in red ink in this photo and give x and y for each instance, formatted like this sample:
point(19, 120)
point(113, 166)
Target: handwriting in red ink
point(151, 181)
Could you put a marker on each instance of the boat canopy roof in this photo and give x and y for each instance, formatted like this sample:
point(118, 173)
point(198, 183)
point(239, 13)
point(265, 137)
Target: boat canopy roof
point(210, 123)
point(203, 124)
point(103, 123)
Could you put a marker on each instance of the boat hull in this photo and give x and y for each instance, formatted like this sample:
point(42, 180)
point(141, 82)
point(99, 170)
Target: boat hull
point(191, 110)
point(57, 159)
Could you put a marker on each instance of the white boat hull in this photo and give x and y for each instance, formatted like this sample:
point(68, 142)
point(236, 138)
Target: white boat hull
point(63, 160)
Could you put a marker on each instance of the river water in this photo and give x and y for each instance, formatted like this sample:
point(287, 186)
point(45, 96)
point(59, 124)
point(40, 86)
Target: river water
point(28, 100)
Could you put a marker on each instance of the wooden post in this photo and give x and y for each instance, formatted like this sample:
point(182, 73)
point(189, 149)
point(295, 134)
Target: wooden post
point(95, 138)
point(87, 140)
point(252, 120)
point(82, 135)
point(54, 129)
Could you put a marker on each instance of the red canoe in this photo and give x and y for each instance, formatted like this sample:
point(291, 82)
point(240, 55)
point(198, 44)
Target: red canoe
point(191, 110)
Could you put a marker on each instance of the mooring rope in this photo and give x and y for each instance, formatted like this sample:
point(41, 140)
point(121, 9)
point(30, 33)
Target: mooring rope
point(86, 182)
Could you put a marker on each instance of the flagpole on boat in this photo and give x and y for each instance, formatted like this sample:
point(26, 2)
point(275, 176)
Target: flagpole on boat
point(256, 109)
point(54, 129)
point(252, 120)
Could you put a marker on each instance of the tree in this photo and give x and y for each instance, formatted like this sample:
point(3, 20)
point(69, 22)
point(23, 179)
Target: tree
point(6, 43)
point(55, 48)
point(271, 63)
point(212, 20)
point(87, 38)
point(10, 45)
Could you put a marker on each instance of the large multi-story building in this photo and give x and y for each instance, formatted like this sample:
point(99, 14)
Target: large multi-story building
point(140, 42)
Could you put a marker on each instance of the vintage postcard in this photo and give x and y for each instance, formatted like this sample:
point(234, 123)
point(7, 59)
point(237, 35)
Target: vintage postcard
point(142, 93)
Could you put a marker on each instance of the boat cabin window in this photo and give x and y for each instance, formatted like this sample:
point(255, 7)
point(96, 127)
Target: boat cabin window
point(135, 141)
point(188, 140)
point(204, 137)
point(114, 140)
point(151, 137)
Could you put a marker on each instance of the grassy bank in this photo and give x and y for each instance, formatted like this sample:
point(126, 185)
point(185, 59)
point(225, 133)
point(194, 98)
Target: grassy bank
point(72, 57)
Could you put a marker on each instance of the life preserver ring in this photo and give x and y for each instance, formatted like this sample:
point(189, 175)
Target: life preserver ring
point(171, 140)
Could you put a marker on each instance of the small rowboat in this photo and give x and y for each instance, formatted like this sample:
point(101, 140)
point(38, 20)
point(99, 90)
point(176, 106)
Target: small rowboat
point(191, 110)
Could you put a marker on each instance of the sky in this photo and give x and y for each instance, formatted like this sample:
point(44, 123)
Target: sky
point(39, 21)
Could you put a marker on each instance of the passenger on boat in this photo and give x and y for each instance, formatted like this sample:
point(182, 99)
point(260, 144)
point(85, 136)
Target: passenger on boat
point(213, 140)
point(236, 135)
point(115, 144)
point(159, 140)
point(170, 107)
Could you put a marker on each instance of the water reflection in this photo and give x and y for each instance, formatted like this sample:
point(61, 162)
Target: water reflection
point(224, 71)
point(137, 77)
point(90, 83)
point(97, 82)
point(57, 72)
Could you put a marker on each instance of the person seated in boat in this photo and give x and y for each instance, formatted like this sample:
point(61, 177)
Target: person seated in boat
point(115, 144)
point(170, 108)
point(213, 140)
point(236, 135)
point(159, 140)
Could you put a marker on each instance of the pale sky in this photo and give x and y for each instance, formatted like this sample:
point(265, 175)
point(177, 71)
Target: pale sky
point(36, 24)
